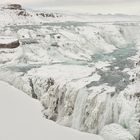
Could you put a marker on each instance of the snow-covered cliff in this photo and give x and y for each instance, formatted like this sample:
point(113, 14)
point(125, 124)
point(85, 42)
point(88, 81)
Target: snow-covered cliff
point(85, 74)
point(20, 121)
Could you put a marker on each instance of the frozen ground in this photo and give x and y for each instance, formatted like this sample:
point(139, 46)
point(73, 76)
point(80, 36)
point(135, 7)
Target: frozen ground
point(84, 69)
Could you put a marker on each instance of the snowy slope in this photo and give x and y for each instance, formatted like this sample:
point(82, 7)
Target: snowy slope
point(21, 118)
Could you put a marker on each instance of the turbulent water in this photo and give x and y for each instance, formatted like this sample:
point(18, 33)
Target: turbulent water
point(85, 74)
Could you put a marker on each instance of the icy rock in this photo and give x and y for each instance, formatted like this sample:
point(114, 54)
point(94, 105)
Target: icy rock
point(115, 132)
point(129, 105)
point(59, 104)
point(8, 42)
point(95, 109)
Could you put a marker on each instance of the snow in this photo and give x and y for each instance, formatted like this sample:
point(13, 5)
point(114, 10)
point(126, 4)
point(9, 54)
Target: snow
point(21, 118)
point(7, 39)
point(116, 132)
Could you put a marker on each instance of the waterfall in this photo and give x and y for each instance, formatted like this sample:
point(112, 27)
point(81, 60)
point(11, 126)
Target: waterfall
point(79, 109)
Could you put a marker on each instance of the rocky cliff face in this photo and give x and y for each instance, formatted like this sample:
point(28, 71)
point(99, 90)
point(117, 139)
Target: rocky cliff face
point(85, 74)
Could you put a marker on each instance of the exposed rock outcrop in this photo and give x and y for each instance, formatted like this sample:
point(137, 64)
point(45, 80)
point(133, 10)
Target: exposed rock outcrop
point(9, 42)
point(13, 7)
point(23, 13)
point(46, 15)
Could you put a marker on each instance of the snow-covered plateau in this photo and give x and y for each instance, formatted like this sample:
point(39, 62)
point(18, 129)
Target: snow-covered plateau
point(84, 69)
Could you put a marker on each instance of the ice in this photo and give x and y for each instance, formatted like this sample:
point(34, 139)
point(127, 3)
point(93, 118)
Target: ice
point(116, 132)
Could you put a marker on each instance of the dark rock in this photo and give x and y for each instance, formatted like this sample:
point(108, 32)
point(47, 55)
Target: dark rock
point(13, 7)
point(11, 45)
point(137, 94)
point(23, 13)
point(47, 15)
point(50, 82)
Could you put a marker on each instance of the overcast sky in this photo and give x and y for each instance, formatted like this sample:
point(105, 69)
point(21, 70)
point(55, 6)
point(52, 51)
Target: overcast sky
point(95, 6)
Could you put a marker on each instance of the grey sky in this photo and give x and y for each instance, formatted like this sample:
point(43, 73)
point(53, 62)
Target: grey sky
point(95, 6)
point(68, 2)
